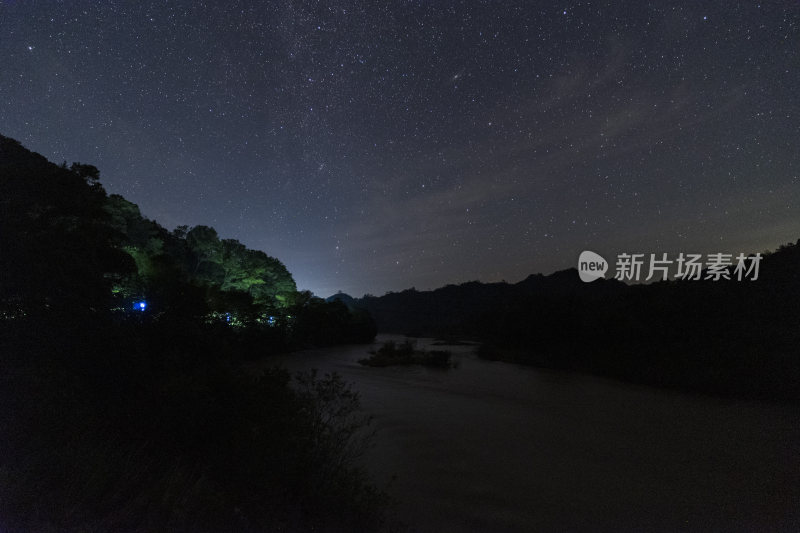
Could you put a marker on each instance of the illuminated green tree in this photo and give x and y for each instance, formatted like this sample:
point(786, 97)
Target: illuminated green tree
point(207, 253)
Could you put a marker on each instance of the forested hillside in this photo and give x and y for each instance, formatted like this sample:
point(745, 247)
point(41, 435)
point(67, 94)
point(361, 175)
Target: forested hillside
point(124, 404)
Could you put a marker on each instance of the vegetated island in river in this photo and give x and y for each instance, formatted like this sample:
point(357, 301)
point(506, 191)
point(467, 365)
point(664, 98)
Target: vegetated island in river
point(405, 353)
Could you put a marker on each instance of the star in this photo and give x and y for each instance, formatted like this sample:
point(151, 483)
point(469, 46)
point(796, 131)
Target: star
point(399, 131)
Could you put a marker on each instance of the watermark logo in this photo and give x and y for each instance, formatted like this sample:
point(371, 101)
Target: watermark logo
point(647, 267)
point(591, 266)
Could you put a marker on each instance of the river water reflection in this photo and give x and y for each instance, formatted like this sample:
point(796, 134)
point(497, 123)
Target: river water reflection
point(491, 446)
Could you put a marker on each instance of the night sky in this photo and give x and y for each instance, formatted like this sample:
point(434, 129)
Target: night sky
point(375, 146)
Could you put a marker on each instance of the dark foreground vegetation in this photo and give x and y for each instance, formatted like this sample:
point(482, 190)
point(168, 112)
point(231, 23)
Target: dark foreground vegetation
point(123, 406)
point(739, 338)
point(405, 353)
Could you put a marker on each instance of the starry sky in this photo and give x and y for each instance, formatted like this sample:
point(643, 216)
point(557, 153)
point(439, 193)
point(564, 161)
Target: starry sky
point(376, 146)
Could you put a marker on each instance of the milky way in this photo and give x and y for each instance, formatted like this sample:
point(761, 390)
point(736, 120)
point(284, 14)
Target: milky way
point(375, 146)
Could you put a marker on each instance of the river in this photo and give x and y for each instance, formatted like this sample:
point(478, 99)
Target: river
point(497, 447)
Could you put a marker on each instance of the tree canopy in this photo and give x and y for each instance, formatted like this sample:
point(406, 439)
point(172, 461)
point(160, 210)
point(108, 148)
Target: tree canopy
point(69, 247)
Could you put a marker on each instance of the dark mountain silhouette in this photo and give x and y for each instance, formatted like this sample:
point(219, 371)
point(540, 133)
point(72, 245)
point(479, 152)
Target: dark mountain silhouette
point(727, 336)
point(458, 309)
point(340, 296)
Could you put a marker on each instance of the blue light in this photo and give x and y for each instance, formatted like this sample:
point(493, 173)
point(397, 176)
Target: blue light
point(140, 305)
